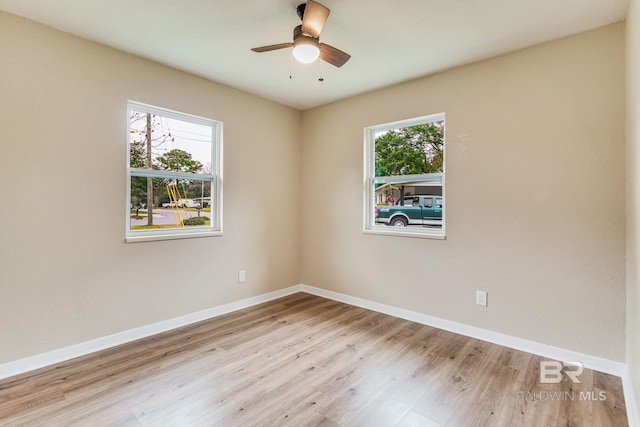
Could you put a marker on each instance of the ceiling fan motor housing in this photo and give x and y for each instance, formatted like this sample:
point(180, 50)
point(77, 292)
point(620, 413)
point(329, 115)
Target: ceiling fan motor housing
point(297, 33)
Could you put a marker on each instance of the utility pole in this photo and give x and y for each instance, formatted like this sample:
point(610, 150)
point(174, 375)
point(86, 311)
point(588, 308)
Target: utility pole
point(149, 179)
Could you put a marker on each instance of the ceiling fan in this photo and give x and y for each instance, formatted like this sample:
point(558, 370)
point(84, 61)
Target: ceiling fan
point(306, 38)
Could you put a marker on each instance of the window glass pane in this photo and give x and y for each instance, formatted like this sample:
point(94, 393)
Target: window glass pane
point(160, 142)
point(174, 168)
point(405, 172)
point(410, 150)
point(176, 203)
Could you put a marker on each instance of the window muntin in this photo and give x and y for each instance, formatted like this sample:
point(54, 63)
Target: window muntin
point(174, 174)
point(404, 161)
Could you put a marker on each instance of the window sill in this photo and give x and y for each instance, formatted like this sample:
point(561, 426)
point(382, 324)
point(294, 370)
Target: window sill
point(171, 236)
point(393, 231)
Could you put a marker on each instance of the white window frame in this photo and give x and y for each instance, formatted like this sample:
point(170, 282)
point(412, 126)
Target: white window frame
point(370, 226)
point(215, 228)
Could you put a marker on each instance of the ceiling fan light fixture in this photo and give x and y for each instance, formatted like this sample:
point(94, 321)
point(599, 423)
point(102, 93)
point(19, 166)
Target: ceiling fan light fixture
point(306, 49)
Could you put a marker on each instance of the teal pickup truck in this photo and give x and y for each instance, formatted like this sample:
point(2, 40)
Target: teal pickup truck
point(416, 210)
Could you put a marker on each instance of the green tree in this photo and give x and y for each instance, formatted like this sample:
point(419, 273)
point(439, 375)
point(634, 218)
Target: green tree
point(411, 150)
point(138, 183)
point(137, 154)
point(178, 160)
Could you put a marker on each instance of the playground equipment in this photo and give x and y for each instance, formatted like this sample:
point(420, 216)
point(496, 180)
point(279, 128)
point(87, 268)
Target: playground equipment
point(178, 203)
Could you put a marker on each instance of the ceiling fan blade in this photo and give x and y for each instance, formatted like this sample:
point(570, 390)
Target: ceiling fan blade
point(272, 47)
point(314, 17)
point(333, 56)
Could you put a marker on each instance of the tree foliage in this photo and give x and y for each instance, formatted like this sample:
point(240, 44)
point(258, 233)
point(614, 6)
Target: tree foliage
point(137, 154)
point(178, 160)
point(411, 150)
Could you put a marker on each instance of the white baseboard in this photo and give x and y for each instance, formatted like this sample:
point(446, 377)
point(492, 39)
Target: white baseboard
point(592, 362)
point(67, 353)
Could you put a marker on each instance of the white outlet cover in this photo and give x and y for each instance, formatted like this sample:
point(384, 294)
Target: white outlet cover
point(481, 298)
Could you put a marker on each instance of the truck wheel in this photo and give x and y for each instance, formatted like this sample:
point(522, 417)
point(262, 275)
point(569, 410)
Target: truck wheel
point(399, 222)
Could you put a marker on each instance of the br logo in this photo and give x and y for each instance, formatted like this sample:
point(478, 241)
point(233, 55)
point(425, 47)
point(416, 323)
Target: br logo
point(552, 372)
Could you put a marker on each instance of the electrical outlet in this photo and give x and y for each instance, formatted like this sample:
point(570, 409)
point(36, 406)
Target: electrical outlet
point(481, 298)
point(241, 276)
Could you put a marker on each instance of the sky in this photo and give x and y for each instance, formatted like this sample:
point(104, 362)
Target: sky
point(190, 137)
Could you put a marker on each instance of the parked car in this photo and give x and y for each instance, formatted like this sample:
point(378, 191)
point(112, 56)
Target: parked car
point(423, 210)
point(183, 203)
point(188, 203)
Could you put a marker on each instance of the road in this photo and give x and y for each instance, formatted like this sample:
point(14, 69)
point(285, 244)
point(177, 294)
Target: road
point(163, 216)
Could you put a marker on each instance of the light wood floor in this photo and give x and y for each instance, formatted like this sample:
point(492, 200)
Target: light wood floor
point(306, 361)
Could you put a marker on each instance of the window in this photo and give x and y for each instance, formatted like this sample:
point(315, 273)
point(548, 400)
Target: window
point(174, 175)
point(404, 178)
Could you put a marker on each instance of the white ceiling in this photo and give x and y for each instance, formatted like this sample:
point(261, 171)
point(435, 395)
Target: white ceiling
point(390, 40)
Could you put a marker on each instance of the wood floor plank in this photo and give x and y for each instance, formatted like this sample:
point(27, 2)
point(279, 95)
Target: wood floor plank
point(413, 419)
point(339, 350)
point(303, 360)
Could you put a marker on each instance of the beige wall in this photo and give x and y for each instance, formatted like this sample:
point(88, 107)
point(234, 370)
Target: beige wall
point(66, 274)
point(633, 194)
point(535, 196)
